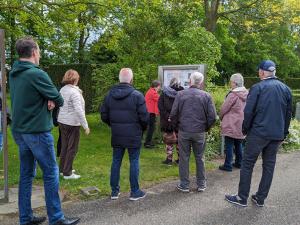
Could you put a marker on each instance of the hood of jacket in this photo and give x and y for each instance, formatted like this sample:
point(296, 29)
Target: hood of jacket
point(241, 92)
point(121, 91)
point(20, 66)
point(170, 92)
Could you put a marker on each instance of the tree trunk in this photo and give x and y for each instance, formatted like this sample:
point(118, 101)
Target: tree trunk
point(211, 14)
point(81, 40)
point(12, 46)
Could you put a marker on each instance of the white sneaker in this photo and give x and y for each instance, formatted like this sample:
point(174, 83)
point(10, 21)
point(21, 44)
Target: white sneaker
point(72, 176)
point(73, 171)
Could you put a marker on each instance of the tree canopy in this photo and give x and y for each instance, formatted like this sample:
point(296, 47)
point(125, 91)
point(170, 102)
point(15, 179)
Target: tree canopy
point(229, 36)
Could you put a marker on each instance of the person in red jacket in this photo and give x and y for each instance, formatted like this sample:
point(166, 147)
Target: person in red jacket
point(151, 98)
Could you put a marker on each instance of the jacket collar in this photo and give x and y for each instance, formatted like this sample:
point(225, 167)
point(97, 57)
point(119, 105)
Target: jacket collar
point(75, 87)
point(238, 89)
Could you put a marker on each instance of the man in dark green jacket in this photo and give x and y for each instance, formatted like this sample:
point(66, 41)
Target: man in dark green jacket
point(33, 96)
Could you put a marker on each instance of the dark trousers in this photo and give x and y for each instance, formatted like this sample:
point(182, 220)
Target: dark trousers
point(69, 146)
point(134, 156)
point(196, 141)
point(58, 145)
point(151, 129)
point(254, 146)
point(230, 145)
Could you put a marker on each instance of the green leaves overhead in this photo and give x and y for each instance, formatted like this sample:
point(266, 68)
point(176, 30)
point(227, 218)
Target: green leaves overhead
point(229, 36)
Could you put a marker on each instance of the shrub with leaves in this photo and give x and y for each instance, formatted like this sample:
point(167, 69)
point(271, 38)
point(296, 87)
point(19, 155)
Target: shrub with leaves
point(292, 142)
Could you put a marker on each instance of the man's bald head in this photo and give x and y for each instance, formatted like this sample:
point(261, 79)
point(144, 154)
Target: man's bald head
point(125, 75)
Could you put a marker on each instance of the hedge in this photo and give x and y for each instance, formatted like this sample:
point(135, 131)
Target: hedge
point(293, 83)
point(95, 80)
point(56, 72)
point(296, 98)
point(249, 81)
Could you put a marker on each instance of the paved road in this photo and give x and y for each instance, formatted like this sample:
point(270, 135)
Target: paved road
point(164, 205)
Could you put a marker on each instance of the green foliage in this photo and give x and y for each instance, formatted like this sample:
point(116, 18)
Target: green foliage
point(249, 81)
point(296, 98)
point(292, 141)
point(155, 34)
point(293, 83)
point(103, 79)
point(218, 95)
point(213, 142)
point(56, 72)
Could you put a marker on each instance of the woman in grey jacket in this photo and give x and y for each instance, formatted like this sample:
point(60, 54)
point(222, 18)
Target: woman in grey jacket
point(71, 116)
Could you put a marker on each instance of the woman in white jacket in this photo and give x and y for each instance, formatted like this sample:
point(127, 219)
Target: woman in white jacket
point(71, 116)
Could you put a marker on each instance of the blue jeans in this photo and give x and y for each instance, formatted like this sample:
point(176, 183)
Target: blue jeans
point(38, 148)
point(231, 143)
point(134, 155)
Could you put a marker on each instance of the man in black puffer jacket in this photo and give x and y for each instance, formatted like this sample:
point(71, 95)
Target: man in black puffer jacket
point(124, 110)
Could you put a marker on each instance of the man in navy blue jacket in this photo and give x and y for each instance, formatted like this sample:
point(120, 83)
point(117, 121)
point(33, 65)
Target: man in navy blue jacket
point(267, 118)
point(124, 110)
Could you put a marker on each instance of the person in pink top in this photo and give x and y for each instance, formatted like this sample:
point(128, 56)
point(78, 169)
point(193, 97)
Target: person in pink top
point(151, 98)
point(232, 116)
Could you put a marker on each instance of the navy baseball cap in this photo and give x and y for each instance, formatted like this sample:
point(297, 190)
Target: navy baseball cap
point(267, 65)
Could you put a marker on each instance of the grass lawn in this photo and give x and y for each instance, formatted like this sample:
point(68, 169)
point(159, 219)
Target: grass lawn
point(93, 163)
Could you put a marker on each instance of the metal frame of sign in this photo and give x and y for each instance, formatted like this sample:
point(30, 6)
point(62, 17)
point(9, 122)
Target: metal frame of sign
point(5, 199)
point(182, 71)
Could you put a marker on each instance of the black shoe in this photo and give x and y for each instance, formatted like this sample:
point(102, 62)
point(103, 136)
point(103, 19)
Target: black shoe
point(67, 221)
point(36, 220)
point(225, 169)
point(183, 189)
point(235, 199)
point(167, 162)
point(137, 196)
point(259, 203)
point(238, 166)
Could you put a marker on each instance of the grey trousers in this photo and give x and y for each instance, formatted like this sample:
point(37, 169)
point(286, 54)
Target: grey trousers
point(254, 146)
point(196, 141)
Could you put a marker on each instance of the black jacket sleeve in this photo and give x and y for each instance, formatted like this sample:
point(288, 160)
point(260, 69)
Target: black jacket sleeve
point(250, 108)
point(174, 115)
point(142, 112)
point(104, 110)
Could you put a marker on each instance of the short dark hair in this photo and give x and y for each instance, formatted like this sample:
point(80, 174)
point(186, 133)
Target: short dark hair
point(155, 83)
point(25, 47)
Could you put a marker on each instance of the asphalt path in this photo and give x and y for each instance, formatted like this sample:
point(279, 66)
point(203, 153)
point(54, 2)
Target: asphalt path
point(164, 205)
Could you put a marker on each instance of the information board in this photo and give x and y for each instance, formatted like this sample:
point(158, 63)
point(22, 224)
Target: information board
point(181, 72)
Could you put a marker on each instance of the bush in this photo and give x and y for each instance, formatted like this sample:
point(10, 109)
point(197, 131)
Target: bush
point(102, 80)
point(56, 72)
point(213, 141)
point(293, 83)
point(296, 98)
point(249, 81)
point(292, 142)
point(218, 94)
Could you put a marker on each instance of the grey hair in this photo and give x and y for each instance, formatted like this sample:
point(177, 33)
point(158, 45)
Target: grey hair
point(238, 79)
point(125, 75)
point(174, 82)
point(196, 78)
